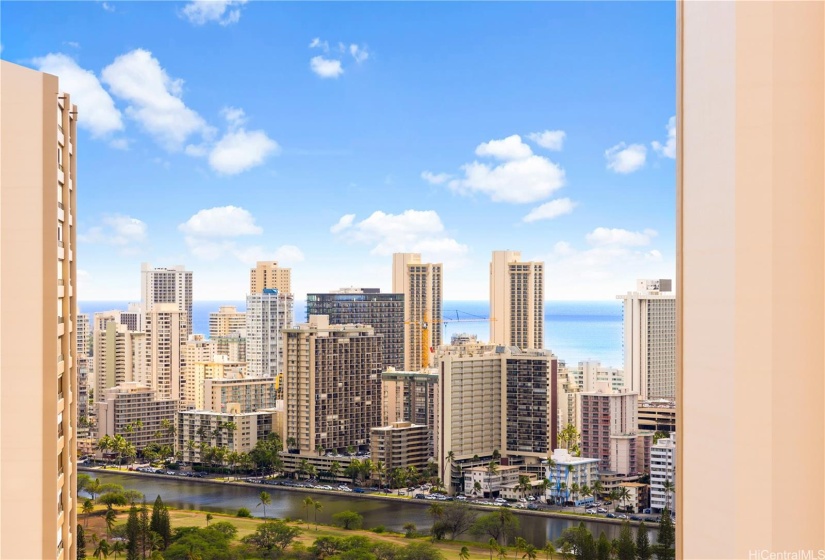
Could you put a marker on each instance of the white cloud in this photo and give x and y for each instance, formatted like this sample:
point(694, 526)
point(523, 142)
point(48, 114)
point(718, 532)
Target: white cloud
point(121, 231)
point(510, 148)
point(98, 113)
point(326, 67)
point(436, 178)
point(154, 97)
point(288, 254)
point(549, 139)
point(108, 7)
point(234, 117)
point(360, 54)
point(222, 221)
point(521, 177)
point(317, 43)
point(239, 150)
point(345, 222)
point(419, 231)
point(550, 210)
point(602, 236)
point(669, 148)
point(224, 12)
point(73, 44)
point(622, 158)
point(120, 143)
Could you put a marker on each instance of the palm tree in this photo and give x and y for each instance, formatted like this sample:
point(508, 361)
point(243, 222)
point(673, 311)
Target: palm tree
point(575, 490)
point(318, 507)
point(530, 552)
point(335, 469)
point(598, 488)
point(118, 548)
point(502, 552)
point(520, 545)
point(266, 499)
point(476, 487)
point(319, 449)
point(549, 550)
point(464, 554)
point(102, 550)
point(93, 488)
point(208, 518)
point(492, 469)
point(88, 509)
point(493, 544)
point(669, 489)
point(381, 470)
point(614, 495)
point(308, 503)
point(111, 517)
point(624, 495)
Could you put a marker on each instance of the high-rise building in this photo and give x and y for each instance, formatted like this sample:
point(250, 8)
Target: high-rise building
point(38, 348)
point(422, 287)
point(516, 301)
point(197, 372)
point(268, 313)
point(250, 394)
point(332, 386)
point(650, 339)
point(134, 411)
point(113, 357)
point(411, 396)
point(591, 372)
point(268, 275)
point(400, 445)
point(610, 430)
point(197, 349)
point(227, 321)
point(233, 346)
point(662, 470)
point(166, 330)
point(367, 306)
point(133, 317)
point(495, 398)
point(167, 285)
point(232, 430)
point(84, 335)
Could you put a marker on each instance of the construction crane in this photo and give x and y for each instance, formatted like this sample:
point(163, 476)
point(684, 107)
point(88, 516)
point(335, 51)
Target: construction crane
point(426, 349)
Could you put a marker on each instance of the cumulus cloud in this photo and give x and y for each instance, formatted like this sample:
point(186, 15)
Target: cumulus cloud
point(120, 144)
point(669, 148)
point(550, 210)
point(602, 236)
point(155, 99)
point(345, 222)
point(359, 53)
point(519, 177)
point(223, 12)
point(108, 7)
point(240, 150)
point(317, 43)
point(326, 67)
point(624, 159)
point(222, 221)
point(97, 108)
point(549, 139)
point(119, 230)
point(436, 178)
point(419, 231)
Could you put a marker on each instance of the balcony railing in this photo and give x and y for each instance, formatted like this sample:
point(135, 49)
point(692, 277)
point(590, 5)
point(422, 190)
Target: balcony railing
point(60, 205)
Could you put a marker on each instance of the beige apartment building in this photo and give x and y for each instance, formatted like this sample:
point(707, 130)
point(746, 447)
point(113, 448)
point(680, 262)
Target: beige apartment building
point(84, 335)
point(166, 331)
point(423, 288)
point(332, 386)
point(167, 286)
point(516, 301)
point(38, 347)
point(400, 445)
point(495, 398)
point(196, 374)
point(268, 313)
point(137, 406)
point(268, 275)
point(226, 322)
point(568, 402)
point(412, 397)
point(113, 356)
point(233, 430)
point(650, 339)
point(250, 393)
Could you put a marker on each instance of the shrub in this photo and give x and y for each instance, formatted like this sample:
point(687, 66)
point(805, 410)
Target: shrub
point(380, 529)
point(244, 512)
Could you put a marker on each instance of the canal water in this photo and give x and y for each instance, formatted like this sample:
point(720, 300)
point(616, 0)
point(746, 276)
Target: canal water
point(188, 494)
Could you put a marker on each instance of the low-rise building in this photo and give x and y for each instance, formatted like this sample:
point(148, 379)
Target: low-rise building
point(400, 445)
point(519, 491)
point(133, 411)
point(482, 481)
point(638, 496)
point(567, 475)
point(657, 415)
point(662, 471)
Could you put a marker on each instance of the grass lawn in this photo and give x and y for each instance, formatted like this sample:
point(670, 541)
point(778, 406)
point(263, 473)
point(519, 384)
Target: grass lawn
point(188, 518)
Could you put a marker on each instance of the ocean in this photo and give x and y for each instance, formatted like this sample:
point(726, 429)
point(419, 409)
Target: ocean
point(573, 330)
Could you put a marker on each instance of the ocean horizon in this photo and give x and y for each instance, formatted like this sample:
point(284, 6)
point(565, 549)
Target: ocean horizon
point(574, 330)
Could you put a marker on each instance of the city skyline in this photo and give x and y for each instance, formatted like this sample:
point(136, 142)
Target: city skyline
point(493, 120)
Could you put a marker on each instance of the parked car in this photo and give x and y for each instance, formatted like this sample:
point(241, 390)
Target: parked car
point(611, 515)
point(602, 510)
point(420, 497)
point(359, 490)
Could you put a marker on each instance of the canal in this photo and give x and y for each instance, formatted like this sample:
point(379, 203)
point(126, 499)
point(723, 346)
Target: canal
point(197, 495)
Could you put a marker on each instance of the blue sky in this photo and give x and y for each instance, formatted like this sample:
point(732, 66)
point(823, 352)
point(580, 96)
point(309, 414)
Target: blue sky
point(329, 135)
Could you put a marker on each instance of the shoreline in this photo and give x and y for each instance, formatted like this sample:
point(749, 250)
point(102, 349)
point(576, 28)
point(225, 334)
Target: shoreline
point(370, 496)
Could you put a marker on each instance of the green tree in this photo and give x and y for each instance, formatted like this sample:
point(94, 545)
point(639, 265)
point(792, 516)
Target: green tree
point(603, 547)
point(159, 523)
point(348, 520)
point(549, 550)
point(626, 547)
point(273, 536)
point(308, 502)
point(409, 530)
point(266, 499)
point(457, 518)
point(102, 549)
point(464, 553)
point(87, 509)
point(132, 534)
point(419, 551)
point(492, 544)
point(317, 506)
point(111, 517)
point(519, 545)
point(500, 525)
point(119, 548)
point(666, 539)
point(643, 550)
point(81, 542)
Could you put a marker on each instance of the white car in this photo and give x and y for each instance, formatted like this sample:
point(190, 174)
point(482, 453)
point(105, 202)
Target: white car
point(602, 510)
